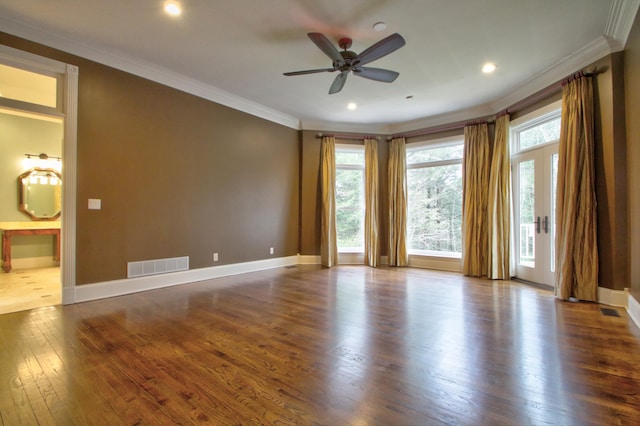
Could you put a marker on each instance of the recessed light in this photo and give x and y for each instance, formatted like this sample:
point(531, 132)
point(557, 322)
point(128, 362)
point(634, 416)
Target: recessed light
point(379, 26)
point(488, 68)
point(352, 106)
point(172, 8)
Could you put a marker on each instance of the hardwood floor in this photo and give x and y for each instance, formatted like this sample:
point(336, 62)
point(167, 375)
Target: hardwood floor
point(24, 289)
point(305, 345)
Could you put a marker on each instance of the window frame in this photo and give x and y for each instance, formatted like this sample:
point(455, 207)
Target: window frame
point(433, 144)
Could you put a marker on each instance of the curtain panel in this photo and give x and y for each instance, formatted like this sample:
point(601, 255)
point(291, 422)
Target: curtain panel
point(328, 237)
point(576, 243)
point(371, 235)
point(499, 205)
point(475, 177)
point(397, 174)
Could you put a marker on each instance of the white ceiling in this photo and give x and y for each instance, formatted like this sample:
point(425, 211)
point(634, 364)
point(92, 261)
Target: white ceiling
point(234, 52)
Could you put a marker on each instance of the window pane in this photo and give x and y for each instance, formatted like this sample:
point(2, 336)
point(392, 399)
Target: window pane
point(350, 209)
point(546, 132)
point(27, 86)
point(435, 209)
point(434, 154)
point(351, 158)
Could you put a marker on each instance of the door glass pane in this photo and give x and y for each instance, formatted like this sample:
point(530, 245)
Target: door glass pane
point(27, 86)
point(554, 186)
point(527, 214)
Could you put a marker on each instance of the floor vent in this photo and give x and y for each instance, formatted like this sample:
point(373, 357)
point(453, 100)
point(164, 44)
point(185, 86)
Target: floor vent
point(157, 266)
point(609, 312)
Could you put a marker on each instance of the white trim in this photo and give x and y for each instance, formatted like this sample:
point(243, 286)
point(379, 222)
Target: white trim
point(87, 292)
point(147, 70)
point(451, 264)
point(621, 16)
point(607, 296)
point(633, 309)
point(69, 176)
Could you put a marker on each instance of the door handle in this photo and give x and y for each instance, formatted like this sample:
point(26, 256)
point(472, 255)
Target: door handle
point(546, 224)
point(537, 222)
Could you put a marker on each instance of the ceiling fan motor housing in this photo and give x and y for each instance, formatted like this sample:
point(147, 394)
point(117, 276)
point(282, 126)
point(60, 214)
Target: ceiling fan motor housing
point(348, 57)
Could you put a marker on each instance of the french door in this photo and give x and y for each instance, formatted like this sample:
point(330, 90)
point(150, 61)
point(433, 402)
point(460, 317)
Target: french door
point(534, 189)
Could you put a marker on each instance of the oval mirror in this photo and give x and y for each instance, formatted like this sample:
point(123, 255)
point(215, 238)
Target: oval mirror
point(40, 193)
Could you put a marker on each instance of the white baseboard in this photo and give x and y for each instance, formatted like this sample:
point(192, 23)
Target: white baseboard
point(610, 297)
point(633, 309)
point(452, 264)
point(87, 292)
point(33, 262)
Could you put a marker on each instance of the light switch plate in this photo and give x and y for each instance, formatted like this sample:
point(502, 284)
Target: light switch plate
point(95, 204)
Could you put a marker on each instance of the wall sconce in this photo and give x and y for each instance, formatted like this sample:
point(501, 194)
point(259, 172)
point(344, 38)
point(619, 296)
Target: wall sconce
point(42, 156)
point(43, 161)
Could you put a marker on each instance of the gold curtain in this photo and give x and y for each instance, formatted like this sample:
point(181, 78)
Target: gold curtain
point(499, 204)
point(576, 245)
point(475, 177)
point(398, 203)
point(371, 237)
point(328, 238)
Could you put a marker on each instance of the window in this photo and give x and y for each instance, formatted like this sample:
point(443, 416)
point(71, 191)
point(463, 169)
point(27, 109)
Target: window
point(434, 198)
point(350, 198)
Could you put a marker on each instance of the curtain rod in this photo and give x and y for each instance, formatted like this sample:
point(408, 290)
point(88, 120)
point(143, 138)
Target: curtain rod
point(347, 137)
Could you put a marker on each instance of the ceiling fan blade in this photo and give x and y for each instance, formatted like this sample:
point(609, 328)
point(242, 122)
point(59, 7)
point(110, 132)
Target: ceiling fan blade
point(338, 82)
point(327, 47)
point(309, 71)
point(377, 74)
point(380, 49)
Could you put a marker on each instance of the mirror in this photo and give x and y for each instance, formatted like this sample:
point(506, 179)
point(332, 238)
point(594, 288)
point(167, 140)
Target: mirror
point(40, 193)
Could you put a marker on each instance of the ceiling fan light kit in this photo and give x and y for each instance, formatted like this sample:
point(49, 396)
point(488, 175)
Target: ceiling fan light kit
point(347, 61)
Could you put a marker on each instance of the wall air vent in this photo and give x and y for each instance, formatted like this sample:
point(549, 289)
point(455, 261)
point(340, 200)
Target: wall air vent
point(157, 266)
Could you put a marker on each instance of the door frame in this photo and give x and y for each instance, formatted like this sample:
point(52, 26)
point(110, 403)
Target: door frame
point(544, 229)
point(67, 108)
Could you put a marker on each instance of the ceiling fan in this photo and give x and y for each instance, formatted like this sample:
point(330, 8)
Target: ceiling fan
point(347, 60)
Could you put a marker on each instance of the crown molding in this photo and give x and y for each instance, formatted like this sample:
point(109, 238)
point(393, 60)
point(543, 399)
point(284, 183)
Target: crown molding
point(590, 53)
point(476, 112)
point(332, 126)
point(621, 17)
point(146, 70)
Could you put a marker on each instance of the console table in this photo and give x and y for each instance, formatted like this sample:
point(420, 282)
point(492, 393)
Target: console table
point(27, 228)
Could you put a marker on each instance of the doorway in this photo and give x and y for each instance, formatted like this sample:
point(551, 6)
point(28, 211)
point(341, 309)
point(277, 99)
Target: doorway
point(38, 112)
point(534, 165)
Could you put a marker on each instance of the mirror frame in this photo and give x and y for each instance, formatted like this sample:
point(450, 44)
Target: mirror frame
point(22, 205)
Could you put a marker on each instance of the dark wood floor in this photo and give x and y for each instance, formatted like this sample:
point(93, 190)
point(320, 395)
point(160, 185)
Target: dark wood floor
point(304, 345)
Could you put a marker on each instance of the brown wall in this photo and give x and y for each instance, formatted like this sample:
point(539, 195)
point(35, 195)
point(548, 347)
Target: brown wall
point(177, 175)
point(632, 101)
point(611, 174)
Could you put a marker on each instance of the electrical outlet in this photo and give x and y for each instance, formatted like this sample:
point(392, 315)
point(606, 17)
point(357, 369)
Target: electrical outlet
point(215, 257)
point(270, 250)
